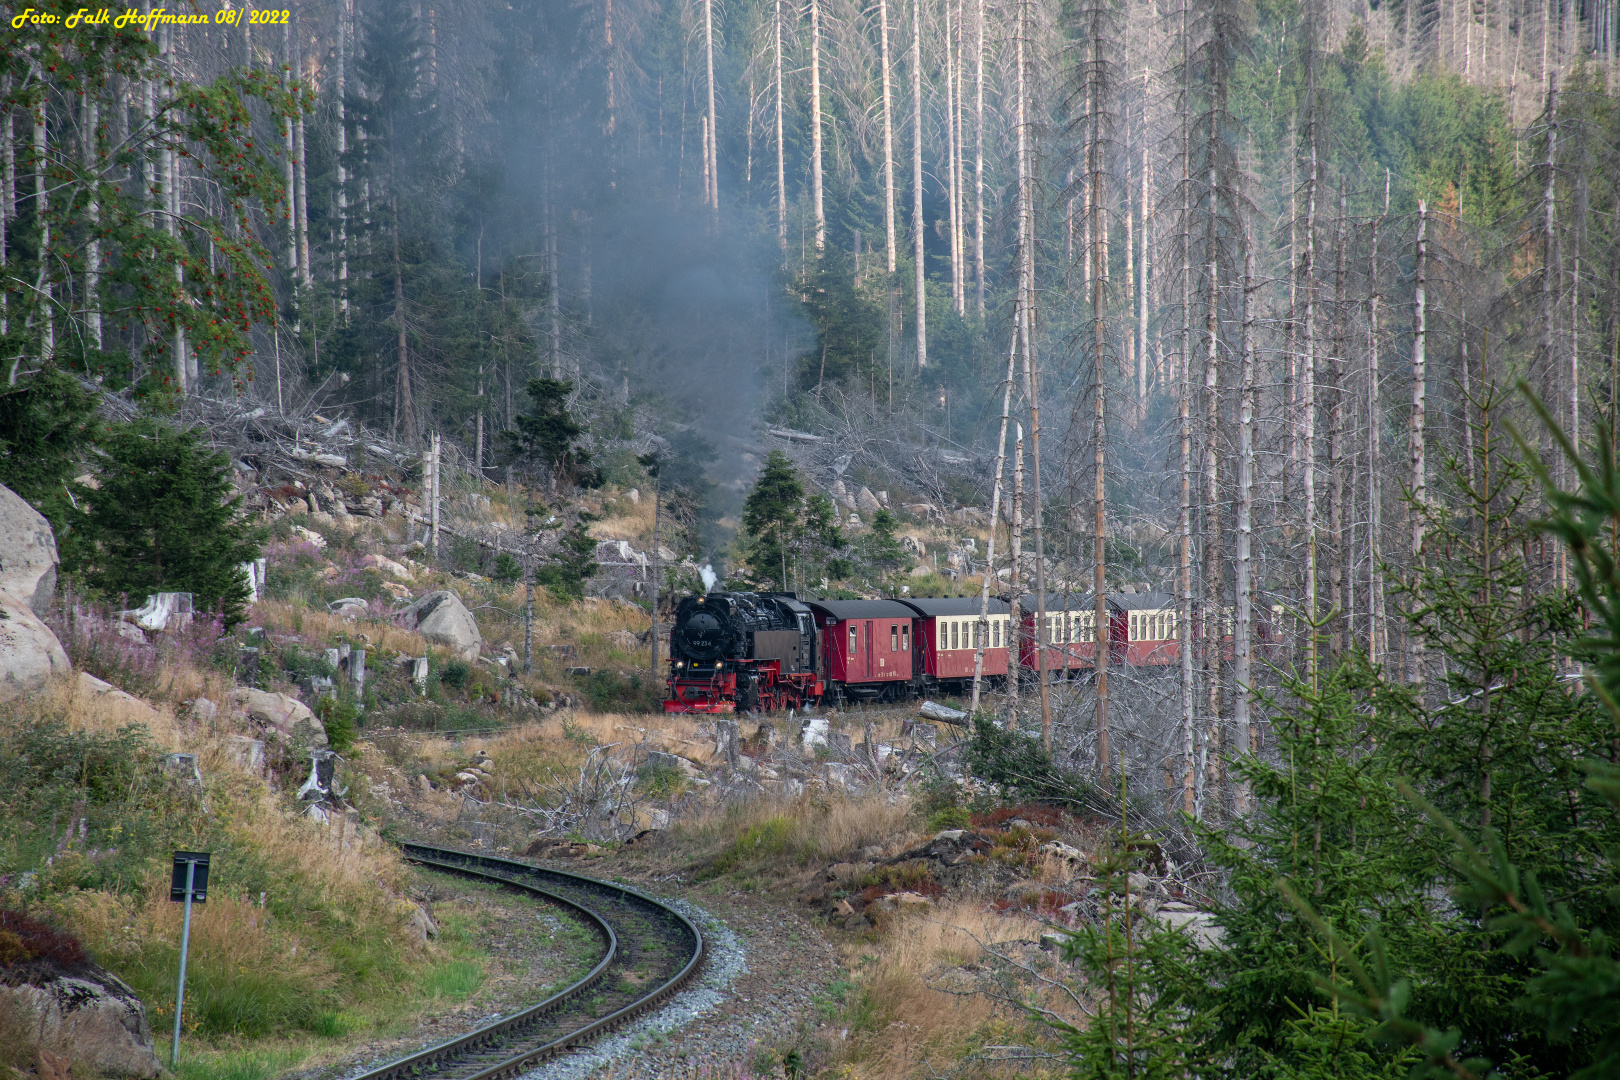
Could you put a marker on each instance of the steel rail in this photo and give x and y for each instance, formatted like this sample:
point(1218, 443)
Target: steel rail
point(444, 1057)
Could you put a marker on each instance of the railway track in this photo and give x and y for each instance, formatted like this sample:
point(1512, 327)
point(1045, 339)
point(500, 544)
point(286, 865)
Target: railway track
point(650, 951)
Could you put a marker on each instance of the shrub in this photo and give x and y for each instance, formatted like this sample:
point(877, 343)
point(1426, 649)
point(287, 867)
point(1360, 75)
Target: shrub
point(23, 939)
point(299, 664)
point(661, 780)
point(951, 817)
point(456, 674)
point(341, 720)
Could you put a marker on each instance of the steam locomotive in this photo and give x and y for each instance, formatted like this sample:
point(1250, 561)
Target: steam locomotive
point(747, 652)
point(742, 651)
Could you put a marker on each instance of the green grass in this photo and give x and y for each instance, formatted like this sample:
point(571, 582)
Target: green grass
point(454, 980)
point(236, 1065)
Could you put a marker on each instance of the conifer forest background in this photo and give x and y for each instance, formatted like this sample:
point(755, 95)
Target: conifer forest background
point(1286, 276)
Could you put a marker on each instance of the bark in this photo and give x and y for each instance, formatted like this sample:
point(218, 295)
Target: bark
point(1377, 630)
point(342, 169)
point(815, 125)
point(1243, 631)
point(888, 133)
point(42, 217)
point(781, 164)
point(1307, 403)
point(658, 509)
point(289, 156)
point(1026, 215)
point(184, 359)
point(1214, 618)
point(917, 182)
point(1190, 777)
point(92, 254)
point(554, 292)
point(1015, 620)
point(1102, 645)
point(1415, 434)
point(958, 169)
point(950, 162)
point(713, 194)
point(990, 544)
point(303, 186)
point(404, 400)
point(978, 158)
point(1133, 364)
point(1338, 579)
point(1142, 279)
point(8, 190)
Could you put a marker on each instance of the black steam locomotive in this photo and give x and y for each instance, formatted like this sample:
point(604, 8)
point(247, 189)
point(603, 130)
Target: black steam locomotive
point(742, 651)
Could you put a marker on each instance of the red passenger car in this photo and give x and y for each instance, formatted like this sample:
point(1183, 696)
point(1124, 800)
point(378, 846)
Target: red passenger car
point(866, 648)
point(948, 638)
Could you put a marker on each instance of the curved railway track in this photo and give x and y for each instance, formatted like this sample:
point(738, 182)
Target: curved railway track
point(650, 951)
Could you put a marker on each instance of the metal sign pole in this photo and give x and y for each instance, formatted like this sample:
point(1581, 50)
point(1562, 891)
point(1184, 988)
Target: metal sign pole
point(185, 942)
point(188, 884)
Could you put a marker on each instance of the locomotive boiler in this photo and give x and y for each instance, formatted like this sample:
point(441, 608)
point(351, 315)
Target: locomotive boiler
point(731, 651)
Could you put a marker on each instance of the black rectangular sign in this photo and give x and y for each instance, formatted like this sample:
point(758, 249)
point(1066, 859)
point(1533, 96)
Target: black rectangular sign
point(199, 881)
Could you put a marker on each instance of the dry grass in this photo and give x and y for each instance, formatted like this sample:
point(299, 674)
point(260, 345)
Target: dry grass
point(627, 520)
point(804, 831)
point(71, 700)
point(897, 1018)
point(278, 617)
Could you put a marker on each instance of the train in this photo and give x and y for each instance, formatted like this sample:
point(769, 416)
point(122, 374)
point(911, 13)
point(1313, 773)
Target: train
point(759, 652)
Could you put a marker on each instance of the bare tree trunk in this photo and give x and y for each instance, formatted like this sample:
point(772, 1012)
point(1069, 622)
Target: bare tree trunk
point(781, 163)
point(959, 167)
point(289, 157)
point(184, 359)
point(42, 217)
point(990, 544)
point(1142, 277)
point(302, 174)
point(404, 399)
point(7, 201)
point(1214, 616)
point(708, 180)
point(1307, 401)
point(1243, 632)
point(1026, 216)
point(658, 507)
point(1338, 578)
point(1015, 620)
point(888, 134)
point(1134, 364)
point(917, 181)
point(1416, 435)
point(951, 175)
point(92, 253)
point(1102, 646)
point(1377, 627)
point(978, 158)
point(1184, 605)
point(554, 290)
point(8, 196)
point(713, 193)
point(815, 125)
point(342, 168)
